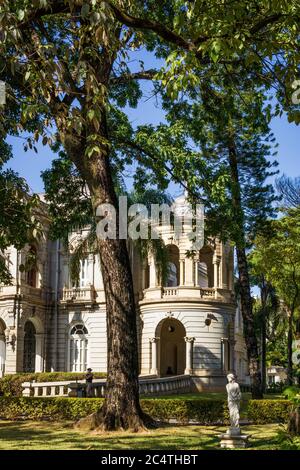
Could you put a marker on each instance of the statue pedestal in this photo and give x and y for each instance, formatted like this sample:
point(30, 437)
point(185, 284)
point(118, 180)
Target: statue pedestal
point(233, 439)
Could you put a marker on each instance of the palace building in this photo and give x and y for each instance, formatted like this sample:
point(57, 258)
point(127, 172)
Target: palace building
point(189, 326)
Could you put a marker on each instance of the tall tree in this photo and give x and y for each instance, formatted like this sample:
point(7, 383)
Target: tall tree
point(65, 63)
point(62, 57)
point(226, 121)
point(279, 256)
point(266, 309)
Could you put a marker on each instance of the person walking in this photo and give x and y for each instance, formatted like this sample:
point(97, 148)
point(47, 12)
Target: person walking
point(89, 383)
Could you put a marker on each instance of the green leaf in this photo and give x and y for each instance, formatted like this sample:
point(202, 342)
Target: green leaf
point(21, 15)
point(85, 9)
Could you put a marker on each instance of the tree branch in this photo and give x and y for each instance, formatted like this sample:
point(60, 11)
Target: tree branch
point(149, 25)
point(126, 77)
point(140, 149)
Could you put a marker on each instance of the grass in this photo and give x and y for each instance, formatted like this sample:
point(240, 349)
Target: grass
point(30, 435)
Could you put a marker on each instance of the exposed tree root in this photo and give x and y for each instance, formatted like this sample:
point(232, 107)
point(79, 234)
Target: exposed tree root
point(109, 421)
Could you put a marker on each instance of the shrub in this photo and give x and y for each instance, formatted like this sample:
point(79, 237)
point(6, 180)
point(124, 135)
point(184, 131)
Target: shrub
point(268, 411)
point(48, 408)
point(62, 408)
point(203, 411)
point(291, 392)
point(11, 384)
point(275, 387)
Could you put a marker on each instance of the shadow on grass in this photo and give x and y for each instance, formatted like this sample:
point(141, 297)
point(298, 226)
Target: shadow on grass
point(26, 435)
point(37, 435)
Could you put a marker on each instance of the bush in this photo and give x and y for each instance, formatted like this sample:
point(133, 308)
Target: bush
point(291, 392)
point(203, 411)
point(59, 408)
point(62, 408)
point(268, 411)
point(11, 385)
point(275, 387)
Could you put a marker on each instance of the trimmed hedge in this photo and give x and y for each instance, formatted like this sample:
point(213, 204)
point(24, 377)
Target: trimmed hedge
point(62, 408)
point(268, 411)
point(206, 411)
point(11, 384)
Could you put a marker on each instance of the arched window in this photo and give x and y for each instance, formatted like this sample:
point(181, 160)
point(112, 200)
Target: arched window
point(147, 276)
point(173, 266)
point(202, 275)
point(78, 348)
point(172, 275)
point(206, 258)
point(29, 347)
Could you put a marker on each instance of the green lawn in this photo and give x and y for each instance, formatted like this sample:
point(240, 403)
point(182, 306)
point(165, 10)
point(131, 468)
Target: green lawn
point(29, 435)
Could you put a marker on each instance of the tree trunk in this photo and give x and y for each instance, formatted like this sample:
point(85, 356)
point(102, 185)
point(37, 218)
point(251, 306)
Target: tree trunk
point(290, 349)
point(294, 421)
point(264, 297)
point(248, 320)
point(245, 292)
point(263, 354)
point(121, 408)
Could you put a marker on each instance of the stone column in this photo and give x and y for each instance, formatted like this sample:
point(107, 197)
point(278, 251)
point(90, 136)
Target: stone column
point(152, 273)
point(181, 277)
point(189, 355)
point(232, 355)
point(224, 354)
point(10, 351)
point(216, 263)
point(39, 360)
point(196, 271)
point(154, 368)
point(189, 273)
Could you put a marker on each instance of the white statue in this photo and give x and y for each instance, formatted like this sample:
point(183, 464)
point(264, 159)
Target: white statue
point(234, 398)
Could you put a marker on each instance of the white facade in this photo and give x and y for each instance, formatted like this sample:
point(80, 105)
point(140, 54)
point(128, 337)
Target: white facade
point(187, 327)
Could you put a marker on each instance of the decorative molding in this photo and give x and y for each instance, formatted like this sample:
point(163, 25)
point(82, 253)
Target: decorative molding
point(169, 314)
point(189, 339)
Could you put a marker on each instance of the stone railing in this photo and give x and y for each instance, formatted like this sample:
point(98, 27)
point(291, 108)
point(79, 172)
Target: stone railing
point(195, 292)
point(169, 291)
point(25, 290)
point(30, 291)
point(44, 389)
point(148, 386)
point(208, 292)
point(79, 294)
point(165, 385)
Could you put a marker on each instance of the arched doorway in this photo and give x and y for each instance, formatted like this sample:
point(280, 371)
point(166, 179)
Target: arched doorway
point(172, 347)
point(2, 348)
point(29, 353)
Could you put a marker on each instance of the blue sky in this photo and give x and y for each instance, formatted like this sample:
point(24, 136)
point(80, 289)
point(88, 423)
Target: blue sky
point(29, 165)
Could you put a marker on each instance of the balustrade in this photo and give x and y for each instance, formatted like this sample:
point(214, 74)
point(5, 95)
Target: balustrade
point(157, 386)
